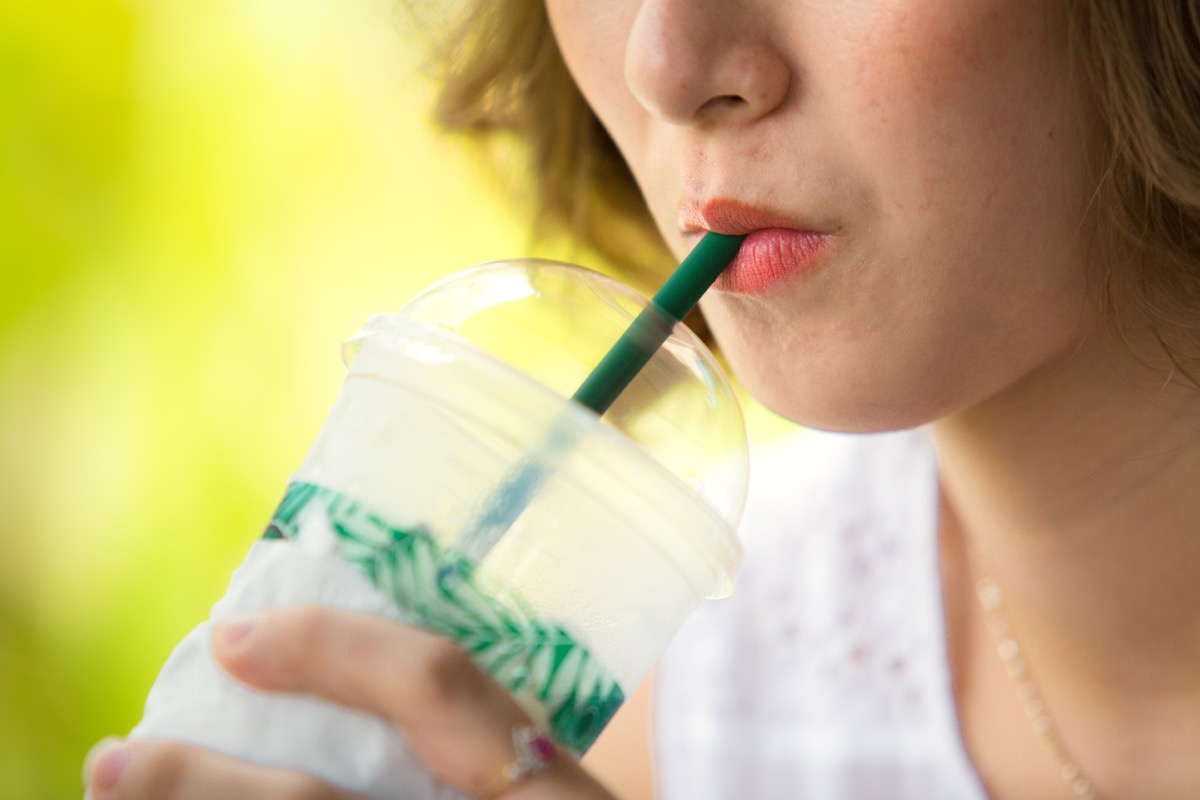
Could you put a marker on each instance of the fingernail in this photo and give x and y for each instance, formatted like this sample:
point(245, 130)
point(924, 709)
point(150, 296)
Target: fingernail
point(104, 764)
point(233, 631)
point(90, 758)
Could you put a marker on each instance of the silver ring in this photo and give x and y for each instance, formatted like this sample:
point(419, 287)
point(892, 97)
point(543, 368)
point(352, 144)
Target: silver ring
point(536, 753)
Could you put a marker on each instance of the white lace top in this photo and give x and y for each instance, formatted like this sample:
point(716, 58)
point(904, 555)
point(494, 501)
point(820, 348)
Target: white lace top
point(825, 676)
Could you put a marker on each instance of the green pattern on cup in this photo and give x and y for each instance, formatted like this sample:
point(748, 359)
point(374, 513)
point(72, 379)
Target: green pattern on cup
point(435, 589)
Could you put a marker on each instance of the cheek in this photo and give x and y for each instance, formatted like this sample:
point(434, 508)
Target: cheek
point(592, 37)
point(969, 123)
point(945, 53)
point(945, 96)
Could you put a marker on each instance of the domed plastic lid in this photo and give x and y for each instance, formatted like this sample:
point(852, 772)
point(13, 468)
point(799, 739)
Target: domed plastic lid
point(556, 321)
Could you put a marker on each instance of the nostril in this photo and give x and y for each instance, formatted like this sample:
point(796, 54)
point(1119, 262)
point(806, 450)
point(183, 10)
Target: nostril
point(688, 65)
point(722, 104)
point(727, 100)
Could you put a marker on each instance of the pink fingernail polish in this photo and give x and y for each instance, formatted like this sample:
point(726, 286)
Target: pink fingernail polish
point(235, 630)
point(109, 765)
point(90, 759)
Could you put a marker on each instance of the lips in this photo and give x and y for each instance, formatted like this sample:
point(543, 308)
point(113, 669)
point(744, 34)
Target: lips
point(776, 248)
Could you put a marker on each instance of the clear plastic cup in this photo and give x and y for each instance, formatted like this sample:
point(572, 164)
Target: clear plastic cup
point(455, 487)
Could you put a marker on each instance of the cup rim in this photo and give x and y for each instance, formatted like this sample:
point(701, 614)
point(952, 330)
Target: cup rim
point(716, 543)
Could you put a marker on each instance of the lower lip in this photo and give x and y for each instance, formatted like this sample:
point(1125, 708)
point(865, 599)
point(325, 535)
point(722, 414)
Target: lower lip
point(770, 256)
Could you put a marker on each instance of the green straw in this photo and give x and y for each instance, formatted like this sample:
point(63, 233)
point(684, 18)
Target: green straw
point(636, 346)
point(653, 325)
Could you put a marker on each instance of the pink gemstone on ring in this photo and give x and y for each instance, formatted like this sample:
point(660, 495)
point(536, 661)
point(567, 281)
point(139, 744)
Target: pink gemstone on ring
point(542, 748)
point(536, 751)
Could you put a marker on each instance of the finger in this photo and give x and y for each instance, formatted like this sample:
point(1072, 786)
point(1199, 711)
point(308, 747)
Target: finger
point(357, 660)
point(147, 769)
point(455, 718)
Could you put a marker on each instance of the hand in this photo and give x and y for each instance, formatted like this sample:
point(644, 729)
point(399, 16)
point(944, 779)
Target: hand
point(453, 716)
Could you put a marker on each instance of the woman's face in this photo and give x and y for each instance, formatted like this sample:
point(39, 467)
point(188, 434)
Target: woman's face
point(911, 175)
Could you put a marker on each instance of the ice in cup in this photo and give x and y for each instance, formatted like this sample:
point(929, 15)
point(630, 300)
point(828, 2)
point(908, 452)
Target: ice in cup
point(454, 487)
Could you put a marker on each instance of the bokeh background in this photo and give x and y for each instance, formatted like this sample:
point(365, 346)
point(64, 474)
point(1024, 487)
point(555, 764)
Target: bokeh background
point(198, 202)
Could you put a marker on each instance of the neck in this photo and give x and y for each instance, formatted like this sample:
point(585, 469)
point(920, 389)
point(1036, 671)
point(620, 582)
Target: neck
point(1079, 492)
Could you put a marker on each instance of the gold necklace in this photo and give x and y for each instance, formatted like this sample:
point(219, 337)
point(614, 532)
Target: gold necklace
point(1009, 650)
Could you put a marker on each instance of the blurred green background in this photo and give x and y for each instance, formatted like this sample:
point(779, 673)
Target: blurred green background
point(198, 202)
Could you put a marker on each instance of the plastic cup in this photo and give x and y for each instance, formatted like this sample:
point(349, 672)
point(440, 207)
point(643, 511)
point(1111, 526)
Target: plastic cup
point(613, 542)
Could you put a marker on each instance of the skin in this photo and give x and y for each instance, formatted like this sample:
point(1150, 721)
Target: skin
point(926, 137)
point(941, 145)
point(455, 718)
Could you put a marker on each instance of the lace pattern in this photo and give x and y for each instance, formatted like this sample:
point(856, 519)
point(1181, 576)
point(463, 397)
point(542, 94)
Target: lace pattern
point(824, 677)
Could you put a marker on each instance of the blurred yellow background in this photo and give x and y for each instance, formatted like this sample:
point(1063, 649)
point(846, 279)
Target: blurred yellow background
point(198, 202)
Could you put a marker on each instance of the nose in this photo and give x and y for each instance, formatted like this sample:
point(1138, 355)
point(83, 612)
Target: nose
point(702, 62)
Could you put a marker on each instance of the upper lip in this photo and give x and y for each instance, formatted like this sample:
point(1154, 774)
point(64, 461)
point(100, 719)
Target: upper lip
point(731, 218)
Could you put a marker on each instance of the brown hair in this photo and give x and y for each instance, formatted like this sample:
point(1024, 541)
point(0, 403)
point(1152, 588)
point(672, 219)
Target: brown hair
point(1143, 63)
point(500, 71)
point(501, 78)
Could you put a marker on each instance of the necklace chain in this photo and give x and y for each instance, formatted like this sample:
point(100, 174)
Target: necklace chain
point(1009, 650)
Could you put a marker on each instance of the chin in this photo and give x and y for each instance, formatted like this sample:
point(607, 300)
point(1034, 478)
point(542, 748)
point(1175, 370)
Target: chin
point(850, 419)
point(850, 386)
point(846, 406)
